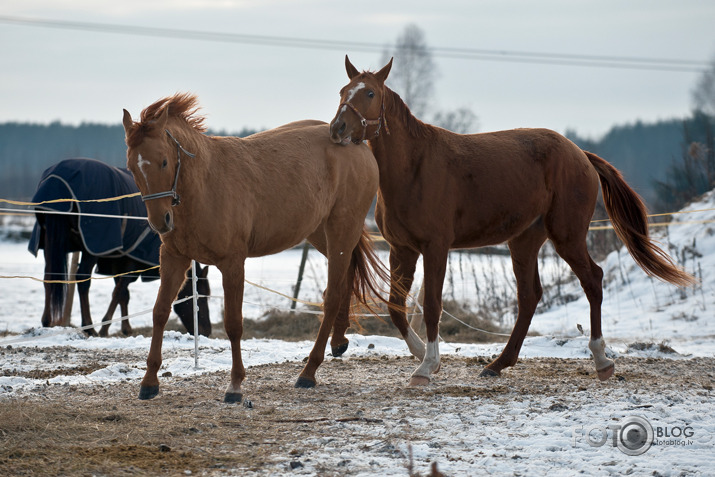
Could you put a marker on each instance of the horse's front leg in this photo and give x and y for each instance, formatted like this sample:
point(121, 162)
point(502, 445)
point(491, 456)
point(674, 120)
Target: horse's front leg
point(124, 306)
point(84, 273)
point(172, 274)
point(435, 266)
point(233, 276)
point(403, 261)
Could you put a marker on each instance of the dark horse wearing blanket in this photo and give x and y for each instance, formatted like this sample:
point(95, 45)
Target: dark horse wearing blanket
point(113, 245)
point(441, 191)
point(220, 200)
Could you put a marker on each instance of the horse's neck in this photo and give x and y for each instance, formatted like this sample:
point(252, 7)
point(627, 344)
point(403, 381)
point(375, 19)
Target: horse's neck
point(195, 171)
point(395, 150)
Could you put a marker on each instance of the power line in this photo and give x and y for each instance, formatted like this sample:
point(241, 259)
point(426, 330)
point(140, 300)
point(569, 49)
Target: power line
point(600, 61)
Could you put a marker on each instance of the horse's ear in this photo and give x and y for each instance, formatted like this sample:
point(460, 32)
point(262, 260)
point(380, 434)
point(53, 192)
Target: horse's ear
point(127, 121)
point(204, 272)
point(352, 71)
point(160, 122)
point(382, 74)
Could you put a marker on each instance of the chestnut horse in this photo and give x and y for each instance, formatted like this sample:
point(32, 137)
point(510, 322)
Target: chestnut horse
point(440, 191)
point(220, 200)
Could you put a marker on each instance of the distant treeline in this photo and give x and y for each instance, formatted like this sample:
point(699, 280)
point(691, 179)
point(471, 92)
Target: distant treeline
point(645, 153)
point(26, 150)
point(650, 155)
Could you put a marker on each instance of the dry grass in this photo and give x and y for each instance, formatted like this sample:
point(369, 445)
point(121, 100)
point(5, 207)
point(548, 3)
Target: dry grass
point(297, 326)
point(105, 430)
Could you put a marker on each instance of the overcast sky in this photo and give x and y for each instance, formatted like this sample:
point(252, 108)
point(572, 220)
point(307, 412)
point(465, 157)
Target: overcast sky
point(78, 76)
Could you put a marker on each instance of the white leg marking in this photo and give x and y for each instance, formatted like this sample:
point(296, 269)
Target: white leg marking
point(430, 363)
point(415, 344)
point(598, 348)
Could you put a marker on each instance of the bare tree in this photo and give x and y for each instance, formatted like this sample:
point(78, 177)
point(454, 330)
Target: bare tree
point(413, 71)
point(413, 76)
point(703, 95)
point(461, 120)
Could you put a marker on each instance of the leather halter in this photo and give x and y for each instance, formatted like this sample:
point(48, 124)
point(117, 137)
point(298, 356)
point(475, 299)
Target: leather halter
point(171, 193)
point(379, 122)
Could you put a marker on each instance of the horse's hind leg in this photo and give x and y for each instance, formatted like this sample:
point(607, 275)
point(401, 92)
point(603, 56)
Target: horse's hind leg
point(233, 277)
point(338, 341)
point(590, 275)
point(336, 295)
point(120, 288)
point(524, 259)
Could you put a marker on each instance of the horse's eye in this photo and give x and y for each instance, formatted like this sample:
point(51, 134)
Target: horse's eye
point(370, 94)
point(163, 164)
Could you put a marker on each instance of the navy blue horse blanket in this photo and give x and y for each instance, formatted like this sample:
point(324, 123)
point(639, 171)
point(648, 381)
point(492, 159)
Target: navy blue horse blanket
point(90, 179)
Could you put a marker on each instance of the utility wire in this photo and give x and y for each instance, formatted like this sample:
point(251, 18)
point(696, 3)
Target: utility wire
point(601, 61)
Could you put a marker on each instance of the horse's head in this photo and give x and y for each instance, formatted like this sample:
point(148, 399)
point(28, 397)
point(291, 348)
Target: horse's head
point(362, 106)
point(154, 158)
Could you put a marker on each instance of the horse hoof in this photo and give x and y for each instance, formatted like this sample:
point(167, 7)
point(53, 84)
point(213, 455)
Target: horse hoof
point(339, 350)
point(148, 392)
point(231, 398)
point(606, 373)
point(90, 332)
point(488, 373)
point(304, 383)
point(416, 381)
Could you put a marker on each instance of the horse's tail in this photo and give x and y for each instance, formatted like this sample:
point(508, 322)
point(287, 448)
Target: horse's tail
point(630, 221)
point(368, 271)
point(56, 245)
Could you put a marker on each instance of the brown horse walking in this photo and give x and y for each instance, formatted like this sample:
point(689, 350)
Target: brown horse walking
point(441, 191)
point(220, 200)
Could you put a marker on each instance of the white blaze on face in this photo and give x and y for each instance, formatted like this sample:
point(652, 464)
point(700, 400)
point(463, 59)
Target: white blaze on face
point(353, 92)
point(141, 163)
point(351, 95)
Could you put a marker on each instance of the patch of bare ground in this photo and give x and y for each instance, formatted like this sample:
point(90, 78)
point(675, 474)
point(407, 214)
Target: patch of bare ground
point(361, 402)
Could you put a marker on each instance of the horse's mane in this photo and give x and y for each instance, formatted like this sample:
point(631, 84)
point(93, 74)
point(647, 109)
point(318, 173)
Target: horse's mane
point(398, 107)
point(180, 105)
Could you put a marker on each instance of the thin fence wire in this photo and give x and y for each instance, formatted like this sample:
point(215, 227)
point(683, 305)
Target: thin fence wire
point(376, 237)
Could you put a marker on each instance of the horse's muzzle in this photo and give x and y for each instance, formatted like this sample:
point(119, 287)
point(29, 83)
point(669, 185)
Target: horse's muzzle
point(166, 226)
point(337, 132)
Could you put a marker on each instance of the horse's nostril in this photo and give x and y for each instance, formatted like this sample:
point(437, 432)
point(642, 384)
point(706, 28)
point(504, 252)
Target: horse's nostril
point(342, 127)
point(167, 219)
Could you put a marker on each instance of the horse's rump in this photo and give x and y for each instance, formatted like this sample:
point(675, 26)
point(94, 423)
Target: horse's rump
point(630, 221)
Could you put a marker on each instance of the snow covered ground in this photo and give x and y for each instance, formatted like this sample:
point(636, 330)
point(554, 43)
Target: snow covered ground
point(636, 309)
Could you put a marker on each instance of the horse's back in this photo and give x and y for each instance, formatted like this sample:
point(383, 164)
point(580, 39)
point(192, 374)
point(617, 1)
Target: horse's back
point(288, 126)
point(490, 186)
point(299, 178)
point(89, 180)
point(307, 144)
